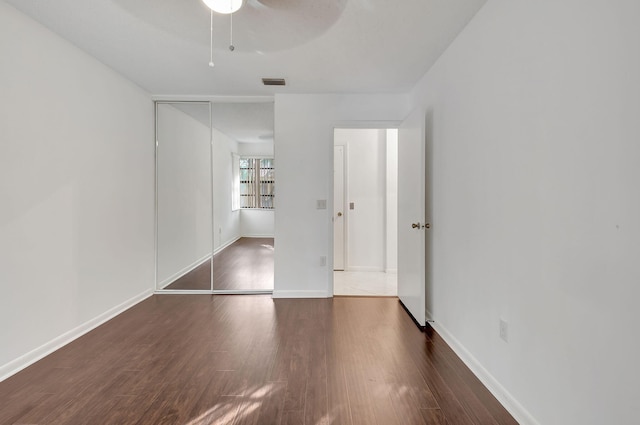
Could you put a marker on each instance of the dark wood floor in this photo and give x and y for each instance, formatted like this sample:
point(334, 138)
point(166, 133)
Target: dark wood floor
point(202, 359)
point(245, 265)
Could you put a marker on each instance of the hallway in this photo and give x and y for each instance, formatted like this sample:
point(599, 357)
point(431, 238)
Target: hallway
point(365, 283)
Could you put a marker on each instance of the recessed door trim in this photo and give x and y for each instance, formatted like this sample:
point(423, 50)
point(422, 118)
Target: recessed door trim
point(340, 216)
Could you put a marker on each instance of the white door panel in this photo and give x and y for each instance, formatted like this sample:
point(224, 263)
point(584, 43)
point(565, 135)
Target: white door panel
point(411, 215)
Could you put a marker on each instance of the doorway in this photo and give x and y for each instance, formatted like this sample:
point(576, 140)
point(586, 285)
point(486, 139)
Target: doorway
point(365, 212)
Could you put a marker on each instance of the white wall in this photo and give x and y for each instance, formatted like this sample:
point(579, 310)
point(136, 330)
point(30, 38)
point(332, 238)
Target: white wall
point(76, 191)
point(256, 223)
point(366, 189)
point(260, 150)
point(304, 126)
point(226, 221)
point(391, 263)
point(533, 113)
point(184, 193)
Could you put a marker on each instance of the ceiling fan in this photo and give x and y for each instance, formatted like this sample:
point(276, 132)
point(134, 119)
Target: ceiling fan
point(268, 25)
point(260, 26)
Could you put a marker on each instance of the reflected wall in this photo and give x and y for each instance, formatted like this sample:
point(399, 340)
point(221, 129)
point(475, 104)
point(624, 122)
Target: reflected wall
point(184, 196)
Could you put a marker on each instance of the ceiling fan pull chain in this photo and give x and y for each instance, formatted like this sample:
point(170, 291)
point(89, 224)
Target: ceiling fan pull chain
point(211, 43)
point(231, 47)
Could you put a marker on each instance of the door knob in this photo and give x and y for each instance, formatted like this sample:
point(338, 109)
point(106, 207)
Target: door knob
point(427, 226)
point(415, 225)
point(339, 214)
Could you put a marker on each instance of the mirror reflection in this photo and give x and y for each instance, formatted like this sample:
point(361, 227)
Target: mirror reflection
point(216, 201)
point(244, 218)
point(184, 196)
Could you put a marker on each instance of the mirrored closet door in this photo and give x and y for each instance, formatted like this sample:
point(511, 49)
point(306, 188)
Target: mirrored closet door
point(184, 197)
point(215, 194)
point(244, 191)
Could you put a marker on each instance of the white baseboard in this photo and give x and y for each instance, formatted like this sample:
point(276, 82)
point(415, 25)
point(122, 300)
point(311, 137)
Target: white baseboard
point(428, 316)
point(226, 245)
point(520, 414)
point(44, 350)
point(184, 271)
point(301, 294)
point(258, 236)
point(182, 291)
point(364, 269)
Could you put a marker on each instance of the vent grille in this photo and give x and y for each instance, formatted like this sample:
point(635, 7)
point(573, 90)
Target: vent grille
point(273, 81)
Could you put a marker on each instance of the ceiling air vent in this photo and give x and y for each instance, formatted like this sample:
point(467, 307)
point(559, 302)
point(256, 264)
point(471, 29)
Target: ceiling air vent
point(273, 81)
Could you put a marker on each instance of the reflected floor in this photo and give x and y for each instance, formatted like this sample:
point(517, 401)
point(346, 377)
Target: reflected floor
point(245, 265)
point(365, 283)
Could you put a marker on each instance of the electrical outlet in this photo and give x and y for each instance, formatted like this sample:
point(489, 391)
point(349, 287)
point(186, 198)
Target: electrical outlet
point(323, 261)
point(504, 330)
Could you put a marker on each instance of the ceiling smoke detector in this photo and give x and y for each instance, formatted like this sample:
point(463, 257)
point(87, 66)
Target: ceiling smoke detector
point(273, 81)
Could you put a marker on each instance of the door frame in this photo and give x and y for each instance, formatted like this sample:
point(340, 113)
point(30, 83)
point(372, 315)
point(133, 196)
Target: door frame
point(365, 124)
point(351, 125)
point(210, 101)
point(345, 216)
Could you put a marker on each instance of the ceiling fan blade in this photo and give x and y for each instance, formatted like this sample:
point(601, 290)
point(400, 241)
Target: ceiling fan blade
point(271, 25)
point(277, 4)
point(260, 25)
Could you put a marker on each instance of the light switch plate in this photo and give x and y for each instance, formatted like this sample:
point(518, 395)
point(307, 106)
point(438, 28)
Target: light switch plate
point(321, 204)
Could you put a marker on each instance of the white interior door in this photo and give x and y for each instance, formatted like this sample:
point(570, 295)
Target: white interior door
point(411, 215)
point(338, 208)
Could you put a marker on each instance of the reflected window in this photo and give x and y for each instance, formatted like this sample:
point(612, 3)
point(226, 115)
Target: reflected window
point(257, 183)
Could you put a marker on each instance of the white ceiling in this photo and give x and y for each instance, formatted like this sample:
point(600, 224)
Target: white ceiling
point(243, 122)
point(319, 46)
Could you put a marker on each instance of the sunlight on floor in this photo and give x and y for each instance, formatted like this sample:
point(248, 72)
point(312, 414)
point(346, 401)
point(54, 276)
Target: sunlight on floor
point(365, 283)
point(224, 413)
point(226, 416)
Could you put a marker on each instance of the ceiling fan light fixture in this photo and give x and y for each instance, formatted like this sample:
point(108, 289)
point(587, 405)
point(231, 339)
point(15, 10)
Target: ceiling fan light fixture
point(223, 6)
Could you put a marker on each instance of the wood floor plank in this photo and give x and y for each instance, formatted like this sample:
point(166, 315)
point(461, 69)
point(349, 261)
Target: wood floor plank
point(57, 412)
point(337, 342)
point(122, 411)
point(248, 360)
point(474, 408)
point(338, 409)
point(316, 397)
point(297, 375)
point(433, 417)
point(17, 411)
point(247, 264)
point(293, 417)
point(441, 350)
point(211, 394)
point(361, 403)
point(222, 411)
point(264, 406)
